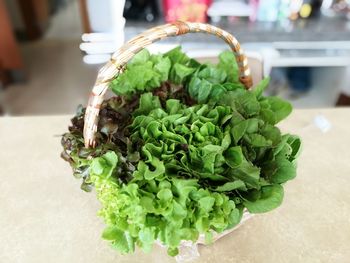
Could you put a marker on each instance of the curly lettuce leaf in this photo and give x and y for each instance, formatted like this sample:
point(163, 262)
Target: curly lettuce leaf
point(183, 149)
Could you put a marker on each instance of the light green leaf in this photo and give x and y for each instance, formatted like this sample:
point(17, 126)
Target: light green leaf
point(206, 203)
point(181, 72)
point(147, 204)
point(158, 169)
point(173, 106)
point(202, 224)
point(233, 86)
point(173, 251)
point(165, 195)
point(104, 166)
point(162, 66)
point(184, 187)
point(179, 212)
point(140, 58)
point(295, 143)
point(212, 74)
point(148, 102)
point(234, 218)
point(177, 56)
point(208, 238)
point(226, 141)
point(146, 236)
point(252, 125)
point(153, 129)
point(121, 240)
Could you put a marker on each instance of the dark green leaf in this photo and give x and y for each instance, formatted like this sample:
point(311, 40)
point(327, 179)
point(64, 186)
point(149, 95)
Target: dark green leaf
point(248, 174)
point(257, 140)
point(227, 62)
point(238, 184)
point(271, 198)
point(280, 108)
point(280, 171)
point(260, 88)
point(234, 156)
point(239, 130)
point(204, 91)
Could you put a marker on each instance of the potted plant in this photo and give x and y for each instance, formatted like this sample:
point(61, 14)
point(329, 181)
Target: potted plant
point(183, 149)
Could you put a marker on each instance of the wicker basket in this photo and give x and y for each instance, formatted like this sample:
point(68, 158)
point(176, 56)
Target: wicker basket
point(117, 63)
point(120, 58)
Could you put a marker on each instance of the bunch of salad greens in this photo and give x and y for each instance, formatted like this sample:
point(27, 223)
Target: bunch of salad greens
point(182, 150)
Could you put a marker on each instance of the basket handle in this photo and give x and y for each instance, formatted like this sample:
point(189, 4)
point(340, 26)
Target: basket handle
point(119, 59)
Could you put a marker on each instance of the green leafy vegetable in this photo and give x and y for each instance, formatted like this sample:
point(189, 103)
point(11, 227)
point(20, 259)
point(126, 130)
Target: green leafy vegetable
point(181, 151)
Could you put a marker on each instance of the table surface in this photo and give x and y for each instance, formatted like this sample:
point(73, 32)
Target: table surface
point(45, 217)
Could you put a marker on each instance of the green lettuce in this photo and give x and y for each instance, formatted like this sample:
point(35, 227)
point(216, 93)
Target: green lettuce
point(182, 150)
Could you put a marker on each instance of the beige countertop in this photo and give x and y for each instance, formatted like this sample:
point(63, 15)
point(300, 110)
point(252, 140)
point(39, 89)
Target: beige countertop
point(45, 217)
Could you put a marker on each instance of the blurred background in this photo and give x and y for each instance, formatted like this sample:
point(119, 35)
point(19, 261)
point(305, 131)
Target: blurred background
point(51, 50)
